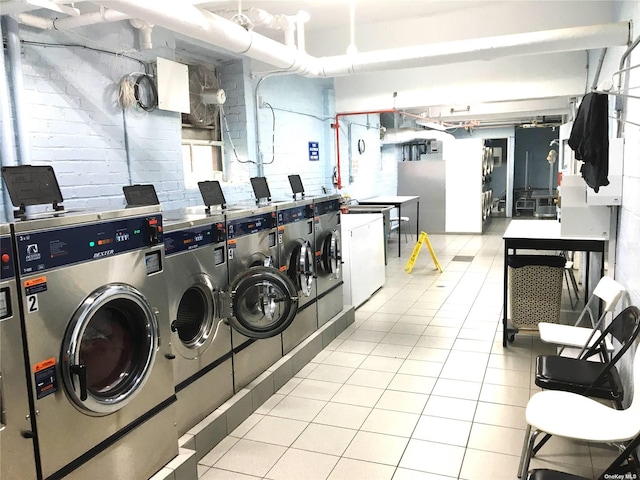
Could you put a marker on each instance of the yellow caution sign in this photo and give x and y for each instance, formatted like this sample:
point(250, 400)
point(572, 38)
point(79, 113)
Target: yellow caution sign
point(423, 238)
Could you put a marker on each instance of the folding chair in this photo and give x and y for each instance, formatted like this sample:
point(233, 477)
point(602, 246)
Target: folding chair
point(574, 379)
point(624, 463)
point(609, 292)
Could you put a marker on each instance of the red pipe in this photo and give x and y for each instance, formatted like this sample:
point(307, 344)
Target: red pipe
point(336, 125)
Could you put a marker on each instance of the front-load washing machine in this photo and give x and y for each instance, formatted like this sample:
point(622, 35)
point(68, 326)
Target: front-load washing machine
point(17, 449)
point(263, 311)
point(297, 260)
point(328, 249)
point(95, 311)
point(196, 272)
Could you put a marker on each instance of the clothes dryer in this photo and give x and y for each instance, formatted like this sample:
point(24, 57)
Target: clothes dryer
point(328, 255)
point(264, 309)
point(95, 308)
point(196, 273)
point(17, 449)
point(297, 260)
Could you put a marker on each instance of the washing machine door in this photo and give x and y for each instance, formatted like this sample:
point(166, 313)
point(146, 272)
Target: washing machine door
point(264, 302)
point(109, 349)
point(301, 267)
point(331, 254)
point(197, 316)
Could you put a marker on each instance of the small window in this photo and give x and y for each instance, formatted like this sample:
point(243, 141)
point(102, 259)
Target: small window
point(202, 155)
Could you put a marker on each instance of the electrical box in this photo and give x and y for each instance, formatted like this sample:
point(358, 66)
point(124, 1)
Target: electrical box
point(578, 218)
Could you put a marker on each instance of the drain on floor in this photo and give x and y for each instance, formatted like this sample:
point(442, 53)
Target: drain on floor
point(463, 258)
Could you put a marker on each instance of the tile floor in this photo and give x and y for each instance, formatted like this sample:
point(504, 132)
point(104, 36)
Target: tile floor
point(419, 387)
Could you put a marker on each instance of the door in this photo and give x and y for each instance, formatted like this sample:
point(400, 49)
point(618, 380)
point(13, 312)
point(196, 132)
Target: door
point(301, 267)
point(196, 318)
point(108, 350)
point(264, 302)
point(330, 254)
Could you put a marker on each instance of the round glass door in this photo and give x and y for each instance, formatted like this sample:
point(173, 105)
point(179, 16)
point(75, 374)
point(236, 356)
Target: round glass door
point(331, 254)
point(109, 349)
point(264, 302)
point(301, 267)
point(195, 318)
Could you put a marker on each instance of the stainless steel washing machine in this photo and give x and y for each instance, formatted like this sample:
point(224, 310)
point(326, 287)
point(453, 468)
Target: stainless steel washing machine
point(328, 255)
point(196, 272)
point(17, 448)
point(95, 309)
point(297, 260)
point(263, 311)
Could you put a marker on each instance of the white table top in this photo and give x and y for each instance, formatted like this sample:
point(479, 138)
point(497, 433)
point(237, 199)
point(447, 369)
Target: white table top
point(540, 229)
point(391, 199)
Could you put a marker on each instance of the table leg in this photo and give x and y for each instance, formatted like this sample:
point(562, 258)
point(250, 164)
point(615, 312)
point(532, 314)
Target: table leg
point(417, 219)
point(504, 296)
point(399, 205)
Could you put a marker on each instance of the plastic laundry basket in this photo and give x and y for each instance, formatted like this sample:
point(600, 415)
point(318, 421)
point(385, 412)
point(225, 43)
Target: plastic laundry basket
point(535, 289)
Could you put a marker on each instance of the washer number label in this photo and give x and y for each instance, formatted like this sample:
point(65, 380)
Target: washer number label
point(32, 303)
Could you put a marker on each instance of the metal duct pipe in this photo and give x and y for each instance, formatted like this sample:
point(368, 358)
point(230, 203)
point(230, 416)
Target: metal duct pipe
point(203, 25)
point(104, 15)
point(550, 41)
point(8, 146)
point(17, 88)
point(208, 27)
point(407, 135)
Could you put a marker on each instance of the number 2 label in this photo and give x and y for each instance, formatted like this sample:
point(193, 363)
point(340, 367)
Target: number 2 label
point(32, 303)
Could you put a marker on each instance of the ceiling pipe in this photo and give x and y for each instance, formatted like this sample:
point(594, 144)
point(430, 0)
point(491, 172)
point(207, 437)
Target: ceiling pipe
point(66, 23)
point(302, 17)
point(7, 146)
point(145, 33)
point(203, 25)
point(408, 135)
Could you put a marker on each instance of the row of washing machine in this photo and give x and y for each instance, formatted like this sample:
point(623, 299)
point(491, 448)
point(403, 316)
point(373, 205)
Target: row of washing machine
point(120, 330)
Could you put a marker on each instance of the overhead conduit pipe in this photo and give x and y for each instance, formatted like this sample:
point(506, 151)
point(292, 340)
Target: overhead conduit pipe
point(203, 25)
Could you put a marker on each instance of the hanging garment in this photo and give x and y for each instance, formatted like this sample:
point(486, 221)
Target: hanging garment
point(589, 139)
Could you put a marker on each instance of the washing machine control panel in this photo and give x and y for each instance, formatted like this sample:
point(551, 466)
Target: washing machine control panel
point(295, 214)
point(322, 208)
point(250, 225)
point(47, 249)
point(185, 240)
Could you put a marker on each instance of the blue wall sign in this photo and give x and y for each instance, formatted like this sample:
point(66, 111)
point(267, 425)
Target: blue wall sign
point(314, 151)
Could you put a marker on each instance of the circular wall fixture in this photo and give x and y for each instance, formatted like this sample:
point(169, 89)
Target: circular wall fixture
point(361, 146)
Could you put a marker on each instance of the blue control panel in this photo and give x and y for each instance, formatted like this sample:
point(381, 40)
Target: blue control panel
point(44, 250)
point(322, 208)
point(295, 214)
point(183, 240)
point(249, 225)
point(6, 258)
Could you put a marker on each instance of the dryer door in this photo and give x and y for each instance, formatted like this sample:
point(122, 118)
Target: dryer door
point(108, 350)
point(264, 302)
point(301, 267)
point(196, 317)
point(331, 254)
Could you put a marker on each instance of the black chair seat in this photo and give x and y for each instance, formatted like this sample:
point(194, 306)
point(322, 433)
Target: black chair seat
point(544, 474)
point(578, 376)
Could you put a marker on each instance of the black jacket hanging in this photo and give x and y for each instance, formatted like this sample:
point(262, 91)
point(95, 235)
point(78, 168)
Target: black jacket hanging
point(589, 139)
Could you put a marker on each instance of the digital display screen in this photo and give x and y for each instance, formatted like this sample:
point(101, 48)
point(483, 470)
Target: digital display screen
point(218, 256)
point(5, 304)
point(152, 262)
point(272, 239)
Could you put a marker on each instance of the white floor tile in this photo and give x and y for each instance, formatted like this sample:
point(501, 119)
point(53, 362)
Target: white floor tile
point(316, 389)
point(421, 368)
point(406, 474)
point(390, 350)
point(331, 373)
point(382, 364)
point(454, 408)
point(445, 387)
point(402, 401)
point(296, 464)
point(217, 474)
point(504, 395)
point(390, 422)
point(412, 383)
point(370, 378)
point(358, 395)
point(492, 438)
point(500, 415)
point(442, 430)
point(325, 439)
point(342, 415)
point(376, 447)
point(350, 469)
point(276, 430)
point(355, 346)
point(218, 451)
point(251, 458)
point(298, 408)
point(400, 339)
point(429, 354)
point(344, 359)
point(432, 457)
